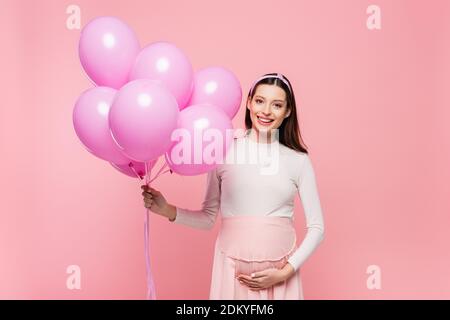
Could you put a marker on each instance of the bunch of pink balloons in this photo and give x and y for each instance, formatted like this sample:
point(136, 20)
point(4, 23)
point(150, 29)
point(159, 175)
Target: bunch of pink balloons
point(143, 95)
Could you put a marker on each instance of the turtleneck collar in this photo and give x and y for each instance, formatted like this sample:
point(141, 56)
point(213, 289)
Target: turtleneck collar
point(251, 135)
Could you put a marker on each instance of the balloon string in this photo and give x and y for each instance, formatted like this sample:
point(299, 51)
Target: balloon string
point(134, 171)
point(159, 172)
point(151, 294)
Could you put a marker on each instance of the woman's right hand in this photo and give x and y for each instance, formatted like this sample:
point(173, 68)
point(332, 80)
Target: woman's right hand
point(155, 201)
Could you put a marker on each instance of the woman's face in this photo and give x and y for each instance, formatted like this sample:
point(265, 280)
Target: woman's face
point(268, 108)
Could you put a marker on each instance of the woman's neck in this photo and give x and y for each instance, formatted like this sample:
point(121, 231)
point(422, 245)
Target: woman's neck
point(266, 137)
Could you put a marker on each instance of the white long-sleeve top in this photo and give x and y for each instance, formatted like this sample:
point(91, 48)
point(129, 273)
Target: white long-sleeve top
point(261, 178)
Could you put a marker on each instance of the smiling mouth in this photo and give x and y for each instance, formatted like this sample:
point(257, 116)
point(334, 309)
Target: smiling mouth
point(264, 120)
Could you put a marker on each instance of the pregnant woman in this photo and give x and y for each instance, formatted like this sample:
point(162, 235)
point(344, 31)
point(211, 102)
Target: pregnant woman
point(256, 255)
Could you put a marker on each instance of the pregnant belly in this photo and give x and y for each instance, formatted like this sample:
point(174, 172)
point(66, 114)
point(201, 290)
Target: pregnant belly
point(256, 243)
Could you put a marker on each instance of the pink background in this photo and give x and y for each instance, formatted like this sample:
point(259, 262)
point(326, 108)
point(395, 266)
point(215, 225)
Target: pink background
point(374, 112)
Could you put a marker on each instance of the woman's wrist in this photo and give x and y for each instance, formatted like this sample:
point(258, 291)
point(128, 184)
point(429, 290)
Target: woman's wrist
point(171, 212)
point(288, 270)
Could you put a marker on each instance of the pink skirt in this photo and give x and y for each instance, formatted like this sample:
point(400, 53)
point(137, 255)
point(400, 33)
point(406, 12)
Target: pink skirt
point(247, 244)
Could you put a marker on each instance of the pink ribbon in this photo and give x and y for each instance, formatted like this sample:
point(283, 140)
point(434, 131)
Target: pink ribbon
point(151, 292)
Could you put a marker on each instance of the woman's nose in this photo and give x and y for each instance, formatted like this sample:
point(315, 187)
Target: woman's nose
point(266, 110)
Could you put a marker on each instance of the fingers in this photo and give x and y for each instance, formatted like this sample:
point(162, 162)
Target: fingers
point(148, 203)
point(254, 283)
point(258, 275)
point(249, 281)
point(147, 194)
point(150, 190)
point(148, 199)
point(148, 206)
point(250, 285)
point(247, 278)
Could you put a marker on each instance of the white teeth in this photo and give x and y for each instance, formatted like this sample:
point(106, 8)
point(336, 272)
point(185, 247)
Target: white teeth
point(264, 120)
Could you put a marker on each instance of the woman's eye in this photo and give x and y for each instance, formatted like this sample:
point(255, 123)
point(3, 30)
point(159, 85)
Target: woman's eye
point(260, 101)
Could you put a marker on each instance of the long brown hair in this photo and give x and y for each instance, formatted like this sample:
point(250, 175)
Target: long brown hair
point(289, 131)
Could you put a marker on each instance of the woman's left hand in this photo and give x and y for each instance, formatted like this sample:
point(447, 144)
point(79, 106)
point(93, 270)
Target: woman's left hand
point(266, 278)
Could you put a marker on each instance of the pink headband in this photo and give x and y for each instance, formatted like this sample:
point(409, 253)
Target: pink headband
point(278, 75)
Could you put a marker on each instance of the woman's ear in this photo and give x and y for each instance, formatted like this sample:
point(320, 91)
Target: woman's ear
point(288, 113)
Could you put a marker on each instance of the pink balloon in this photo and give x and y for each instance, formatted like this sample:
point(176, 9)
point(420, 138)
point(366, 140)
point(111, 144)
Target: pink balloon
point(142, 119)
point(138, 167)
point(201, 129)
point(90, 120)
point(166, 62)
point(107, 50)
point(217, 86)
